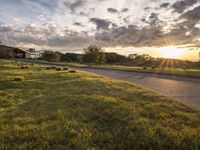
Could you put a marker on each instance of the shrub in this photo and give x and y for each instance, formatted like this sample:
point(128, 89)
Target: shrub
point(72, 71)
point(58, 69)
point(144, 67)
point(50, 56)
point(39, 68)
point(18, 79)
point(24, 67)
point(53, 67)
point(153, 67)
point(65, 68)
point(48, 68)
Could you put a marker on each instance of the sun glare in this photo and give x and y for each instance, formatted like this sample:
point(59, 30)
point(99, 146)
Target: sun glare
point(171, 52)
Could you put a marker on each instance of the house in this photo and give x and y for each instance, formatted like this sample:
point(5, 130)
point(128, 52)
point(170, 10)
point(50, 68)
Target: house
point(33, 54)
point(12, 52)
point(19, 53)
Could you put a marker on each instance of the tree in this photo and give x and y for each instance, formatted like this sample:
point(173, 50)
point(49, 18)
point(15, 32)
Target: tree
point(133, 56)
point(50, 56)
point(94, 55)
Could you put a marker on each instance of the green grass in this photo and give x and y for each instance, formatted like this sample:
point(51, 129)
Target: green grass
point(185, 72)
point(51, 109)
point(195, 73)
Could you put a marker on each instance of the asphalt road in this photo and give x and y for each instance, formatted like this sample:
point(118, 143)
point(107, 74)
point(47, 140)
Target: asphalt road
point(182, 89)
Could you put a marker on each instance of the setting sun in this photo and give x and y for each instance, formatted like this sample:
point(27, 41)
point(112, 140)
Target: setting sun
point(171, 52)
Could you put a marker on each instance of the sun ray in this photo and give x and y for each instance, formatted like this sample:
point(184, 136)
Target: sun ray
point(171, 52)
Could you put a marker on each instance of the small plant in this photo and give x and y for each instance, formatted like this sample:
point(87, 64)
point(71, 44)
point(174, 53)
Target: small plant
point(72, 71)
point(24, 67)
point(153, 68)
point(48, 68)
point(65, 68)
point(18, 79)
point(53, 67)
point(58, 69)
point(39, 68)
point(144, 67)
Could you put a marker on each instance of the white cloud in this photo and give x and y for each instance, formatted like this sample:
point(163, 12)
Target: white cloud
point(77, 23)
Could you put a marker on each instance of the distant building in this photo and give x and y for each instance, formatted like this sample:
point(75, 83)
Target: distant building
point(33, 54)
point(11, 52)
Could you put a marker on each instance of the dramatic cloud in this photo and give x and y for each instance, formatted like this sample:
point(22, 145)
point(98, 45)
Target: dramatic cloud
point(78, 24)
point(180, 6)
point(124, 10)
point(112, 10)
point(75, 5)
point(5, 28)
point(101, 23)
point(164, 5)
point(193, 15)
point(74, 24)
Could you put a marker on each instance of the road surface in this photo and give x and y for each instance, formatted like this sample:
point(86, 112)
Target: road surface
point(182, 89)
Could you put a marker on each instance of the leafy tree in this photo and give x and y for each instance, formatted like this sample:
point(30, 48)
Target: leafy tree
point(133, 56)
point(71, 57)
point(94, 55)
point(80, 58)
point(51, 56)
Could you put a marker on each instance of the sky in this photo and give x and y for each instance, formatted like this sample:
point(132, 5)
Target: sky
point(122, 26)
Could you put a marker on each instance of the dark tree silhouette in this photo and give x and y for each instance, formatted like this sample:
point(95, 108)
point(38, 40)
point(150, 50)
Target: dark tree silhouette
point(51, 56)
point(94, 55)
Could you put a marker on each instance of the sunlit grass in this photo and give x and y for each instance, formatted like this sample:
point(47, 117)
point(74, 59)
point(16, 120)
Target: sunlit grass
point(51, 109)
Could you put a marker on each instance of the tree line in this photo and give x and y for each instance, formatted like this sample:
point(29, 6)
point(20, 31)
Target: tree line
point(92, 54)
point(96, 56)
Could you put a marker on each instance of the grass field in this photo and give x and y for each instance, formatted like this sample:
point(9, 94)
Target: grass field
point(41, 108)
point(184, 72)
point(168, 71)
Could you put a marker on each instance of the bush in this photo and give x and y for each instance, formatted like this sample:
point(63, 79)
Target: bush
point(51, 56)
point(72, 71)
point(58, 69)
point(48, 68)
point(53, 67)
point(65, 68)
point(18, 79)
point(153, 68)
point(24, 67)
point(144, 67)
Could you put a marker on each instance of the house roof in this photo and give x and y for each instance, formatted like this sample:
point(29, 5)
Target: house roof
point(12, 48)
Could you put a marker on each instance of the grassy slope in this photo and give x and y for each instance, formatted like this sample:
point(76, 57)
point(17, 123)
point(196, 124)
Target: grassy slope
point(62, 110)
